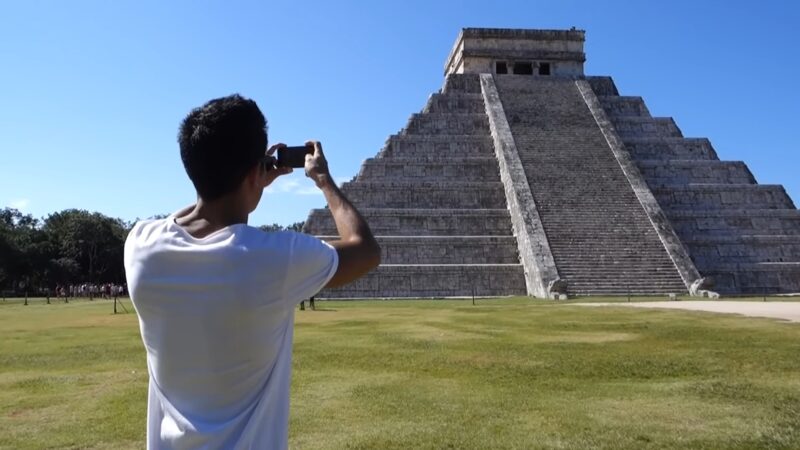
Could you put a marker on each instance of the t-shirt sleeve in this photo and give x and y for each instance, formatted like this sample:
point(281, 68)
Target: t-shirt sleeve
point(311, 265)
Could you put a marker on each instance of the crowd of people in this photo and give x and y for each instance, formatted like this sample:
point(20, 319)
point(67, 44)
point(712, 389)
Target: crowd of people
point(90, 290)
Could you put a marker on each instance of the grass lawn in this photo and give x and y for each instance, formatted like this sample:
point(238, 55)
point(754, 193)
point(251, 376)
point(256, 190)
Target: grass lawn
point(510, 373)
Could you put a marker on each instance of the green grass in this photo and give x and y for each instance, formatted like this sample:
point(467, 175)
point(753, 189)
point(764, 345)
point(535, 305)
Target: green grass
point(509, 373)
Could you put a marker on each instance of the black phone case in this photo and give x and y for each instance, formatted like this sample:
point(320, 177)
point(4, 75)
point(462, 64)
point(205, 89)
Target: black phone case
point(293, 156)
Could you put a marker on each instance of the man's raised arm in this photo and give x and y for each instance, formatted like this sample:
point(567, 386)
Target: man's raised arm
point(357, 249)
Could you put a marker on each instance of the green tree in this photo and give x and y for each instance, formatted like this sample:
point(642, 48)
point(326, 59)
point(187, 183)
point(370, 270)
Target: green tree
point(297, 226)
point(24, 250)
point(273, 227)
point(94, 241)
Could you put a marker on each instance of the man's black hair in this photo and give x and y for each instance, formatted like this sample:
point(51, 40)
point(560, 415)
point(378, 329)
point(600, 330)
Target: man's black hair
point(220, 142)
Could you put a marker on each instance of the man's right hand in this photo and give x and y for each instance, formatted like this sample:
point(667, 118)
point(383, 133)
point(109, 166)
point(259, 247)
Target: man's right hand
point(317, 166)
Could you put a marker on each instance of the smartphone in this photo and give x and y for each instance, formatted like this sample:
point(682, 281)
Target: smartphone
point(293, 156)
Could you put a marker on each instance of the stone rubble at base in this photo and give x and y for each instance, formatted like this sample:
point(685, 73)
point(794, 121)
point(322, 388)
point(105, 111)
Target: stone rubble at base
point(547, 182)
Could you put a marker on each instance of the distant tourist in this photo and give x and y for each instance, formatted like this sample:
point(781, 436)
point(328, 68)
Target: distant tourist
point(216, 297)
point(310, 301)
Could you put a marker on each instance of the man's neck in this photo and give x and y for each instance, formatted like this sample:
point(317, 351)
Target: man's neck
point(206, 217)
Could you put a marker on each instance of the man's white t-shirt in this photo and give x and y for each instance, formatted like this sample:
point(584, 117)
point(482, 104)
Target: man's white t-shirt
point(217, 317)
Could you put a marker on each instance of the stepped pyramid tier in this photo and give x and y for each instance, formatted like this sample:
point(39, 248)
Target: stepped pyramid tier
point(435, 202)
point(522, 176)
point(744, 235)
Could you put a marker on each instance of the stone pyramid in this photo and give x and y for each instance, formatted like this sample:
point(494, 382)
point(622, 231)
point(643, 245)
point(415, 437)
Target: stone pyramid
point(523, 176)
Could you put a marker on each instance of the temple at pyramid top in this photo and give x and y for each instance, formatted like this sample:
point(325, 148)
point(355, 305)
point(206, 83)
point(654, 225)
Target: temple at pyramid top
point(520, 52)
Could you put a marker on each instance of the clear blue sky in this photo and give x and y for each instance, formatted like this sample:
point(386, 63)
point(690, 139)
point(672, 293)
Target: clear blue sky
point(93, 91)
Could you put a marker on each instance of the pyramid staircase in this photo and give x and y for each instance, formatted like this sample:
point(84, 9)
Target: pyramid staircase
point(601, 238)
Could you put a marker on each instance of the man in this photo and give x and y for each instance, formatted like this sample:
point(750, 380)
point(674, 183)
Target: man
point(216, 297)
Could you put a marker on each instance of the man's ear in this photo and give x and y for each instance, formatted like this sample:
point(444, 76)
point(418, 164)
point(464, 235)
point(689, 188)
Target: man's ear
point(255, 177)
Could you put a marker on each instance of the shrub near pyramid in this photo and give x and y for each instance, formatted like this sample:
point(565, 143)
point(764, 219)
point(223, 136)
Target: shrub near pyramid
point(522, 176)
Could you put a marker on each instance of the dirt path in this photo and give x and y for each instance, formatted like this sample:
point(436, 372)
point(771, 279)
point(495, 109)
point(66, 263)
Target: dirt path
point(777, 310)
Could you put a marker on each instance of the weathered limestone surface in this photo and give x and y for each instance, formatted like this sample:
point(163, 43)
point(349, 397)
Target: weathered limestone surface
point(425, 194)
point(439, 147)
point(669, 148)
point(426, 222)
point(454, 102)
point(603, 86)
point(708, 250)
point(680, 171)
point(434, 281)
point(430, 169)
point(434, 200)
point(464, 124)
point(744, 236)
point(449, 249)
point(723, 196)
point(620, 106)
point(644, 127)
point(755, 278)
point(465, 84)
point(735, 222)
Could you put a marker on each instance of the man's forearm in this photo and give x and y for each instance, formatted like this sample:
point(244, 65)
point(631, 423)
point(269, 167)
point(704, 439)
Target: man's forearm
point(349, 223)
point(358, 251)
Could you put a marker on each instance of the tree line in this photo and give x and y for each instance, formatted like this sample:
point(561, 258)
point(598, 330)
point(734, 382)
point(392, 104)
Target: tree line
point(72, 246)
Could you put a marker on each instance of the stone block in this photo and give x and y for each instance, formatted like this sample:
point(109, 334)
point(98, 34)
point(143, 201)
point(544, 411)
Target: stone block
point(396, 283)
point(652, 148)
point(462, 83)
point(449, 250)
point(647, 127)
point(603, 86)
point(618, 106)
point(413, 146)
point(755, 278)
point(483, 169)
point(454, 103)
point(454, 195)
point(420, 222)
point(438, 124)
point(421, 281)
point(689, 223)
point(721, 196)
point(660, 173)
point(713, 250)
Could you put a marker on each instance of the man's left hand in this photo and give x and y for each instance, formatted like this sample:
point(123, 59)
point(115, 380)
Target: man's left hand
point(275, 172)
